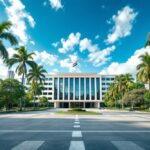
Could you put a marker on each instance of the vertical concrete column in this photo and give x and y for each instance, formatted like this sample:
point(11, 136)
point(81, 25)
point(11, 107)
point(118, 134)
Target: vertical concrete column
point(84, 88)
point(63, 89)
point(69, 104)
point(83, 104)
point(79, 88)
point(90, 87)
point(74, 88)
point(58, 90)
point(95, 89)
point(56, 105)
point(68, 88)
point(100, 88)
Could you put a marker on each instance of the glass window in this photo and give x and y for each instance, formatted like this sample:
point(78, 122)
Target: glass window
point(66, 88)
point(98, 88)
point(82, 88)
point(71, 88)
point(108, 79)
point(103, 89)
point(92, 89)
point(50, 79)
point(55, 88)
point(61, 88)
point(50, 93)
point(112, 79)
point(77, 88)
point(103, 83)
point(103, 79)
point(87, 89)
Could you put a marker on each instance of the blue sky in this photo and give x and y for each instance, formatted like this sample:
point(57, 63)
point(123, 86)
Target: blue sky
point(104, 36)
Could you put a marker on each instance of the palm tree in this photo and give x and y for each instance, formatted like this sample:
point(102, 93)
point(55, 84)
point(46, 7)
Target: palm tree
point(6, 35)
point(122, 84)
point(144, 69)
point(148, 41)
point(23, 59)
point(36, 75)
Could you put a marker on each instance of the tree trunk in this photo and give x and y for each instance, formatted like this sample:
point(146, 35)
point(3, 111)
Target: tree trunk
point(21, 97)
point(132, 106)
point(34, 98)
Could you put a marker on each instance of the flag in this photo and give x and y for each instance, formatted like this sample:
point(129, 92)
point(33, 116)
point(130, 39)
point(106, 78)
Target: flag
point(75, 63)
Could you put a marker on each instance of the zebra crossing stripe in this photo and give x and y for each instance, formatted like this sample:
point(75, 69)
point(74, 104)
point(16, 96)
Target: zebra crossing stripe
point(125, 145)
point(28, 145)
point(77, 145)
point(76, 134)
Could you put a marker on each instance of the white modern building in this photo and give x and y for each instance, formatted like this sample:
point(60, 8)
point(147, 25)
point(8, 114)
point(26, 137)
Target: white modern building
point(84, 90)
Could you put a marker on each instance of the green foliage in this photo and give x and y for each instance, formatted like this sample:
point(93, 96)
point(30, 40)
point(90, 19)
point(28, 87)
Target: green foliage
point(43, 100)
point(6, 35)
point(121, 85)
point(144, 69)
point(22, 59)
point(11, 91)
point(134, 97)
point(77, 109)
point(147, 98)
point(35, 76)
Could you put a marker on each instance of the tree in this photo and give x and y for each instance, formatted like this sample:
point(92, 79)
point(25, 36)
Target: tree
point(123, 83)
point(22, 59)
point(144, 69)
point(147, 99)
point(36, 75)
point(10, 91)
point(43, 100)
point(6, 35)
point(134, 97)
point(148, 41)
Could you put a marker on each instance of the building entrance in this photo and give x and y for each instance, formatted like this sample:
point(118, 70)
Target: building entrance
point(76, 105)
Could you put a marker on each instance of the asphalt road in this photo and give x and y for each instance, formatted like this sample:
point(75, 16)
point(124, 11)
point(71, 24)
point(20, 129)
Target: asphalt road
point(47, 131)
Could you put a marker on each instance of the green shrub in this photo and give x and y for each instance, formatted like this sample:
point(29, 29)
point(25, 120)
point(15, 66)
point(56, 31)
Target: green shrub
point(76, 109)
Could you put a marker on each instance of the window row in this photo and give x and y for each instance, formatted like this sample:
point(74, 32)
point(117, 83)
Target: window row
point(77, 88)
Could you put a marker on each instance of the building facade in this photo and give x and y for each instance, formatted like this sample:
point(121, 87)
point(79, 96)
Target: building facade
point(10, 74)
point(72, 90)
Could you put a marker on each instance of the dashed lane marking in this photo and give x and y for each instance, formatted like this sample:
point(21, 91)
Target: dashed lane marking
point(28, 145)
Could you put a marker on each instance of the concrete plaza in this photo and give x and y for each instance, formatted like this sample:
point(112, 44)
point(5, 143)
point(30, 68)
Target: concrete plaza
point(45, 130)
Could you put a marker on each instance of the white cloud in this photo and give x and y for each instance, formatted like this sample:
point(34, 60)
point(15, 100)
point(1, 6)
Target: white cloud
point(97, 37)
point(86, 44)
point(56, 4)
point(100, 57)
point(45, 58)
point(17, 15)
point(32, 42)
point(44, 3)
point(127, 67)
point(123, 23)
point(68, 63)
point(55, 44)
point(68, 45)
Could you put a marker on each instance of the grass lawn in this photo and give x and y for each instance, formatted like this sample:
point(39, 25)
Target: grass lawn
point(78, 112)
point(16, 109)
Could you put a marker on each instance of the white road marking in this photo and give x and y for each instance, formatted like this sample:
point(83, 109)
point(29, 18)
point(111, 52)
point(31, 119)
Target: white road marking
point(76, 134)
point(28, 145)
point(77, 145)
point(77, 117)
point(76, 122)
point(124, 145)
point(76, 126)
